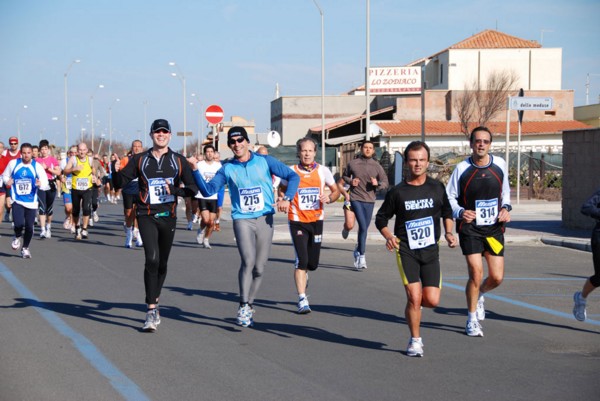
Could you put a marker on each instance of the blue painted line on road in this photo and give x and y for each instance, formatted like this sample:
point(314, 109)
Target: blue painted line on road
point(121, 383)
point(524, 304)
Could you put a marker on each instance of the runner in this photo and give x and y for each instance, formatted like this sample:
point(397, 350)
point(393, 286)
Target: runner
point(9, 154)
point(83, 175)
point(24, 176)
point(159, 171)
point(479, 193)
point(365, 177)
point(46, 195)
point(349, 217)
point(248, 176)
point(66, 184)
point(306, 214)
point(590, 208)
point(130, 193)
point(418, 203)
point(207, 204)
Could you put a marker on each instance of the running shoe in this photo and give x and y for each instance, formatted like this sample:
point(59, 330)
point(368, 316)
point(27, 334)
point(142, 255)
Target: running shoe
point(95, 217)
point(91, 222)
point(128, 237)
point(345, 233)
point(78, 234)
point(84, 234)
point(25, 253)
point(579, 307)
point(73, 229)
point(150, 323)
point(206, 243)
point(415, 347)
point(48, 231)
point(195, 219)
point(190, 225)
point(200, 236)
point(16, 243)
point(43, 233)
point(303, 306)
point(474, 329)
point(157, 315)
point(362, 262)
point(245, 316)
point(138, 241)
point(67, 224)
point(480, 311)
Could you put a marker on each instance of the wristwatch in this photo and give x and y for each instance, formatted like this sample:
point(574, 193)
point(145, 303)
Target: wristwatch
point(286, 198)
point(507, 207)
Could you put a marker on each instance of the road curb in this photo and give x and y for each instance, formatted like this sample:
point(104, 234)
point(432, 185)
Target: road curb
point(573, 243)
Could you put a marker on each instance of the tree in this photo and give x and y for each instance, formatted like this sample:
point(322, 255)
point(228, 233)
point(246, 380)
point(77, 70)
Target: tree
point(478, 104)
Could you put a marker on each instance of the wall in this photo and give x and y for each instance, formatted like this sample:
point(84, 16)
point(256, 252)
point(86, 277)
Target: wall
point(581, 178)
point(588, 114)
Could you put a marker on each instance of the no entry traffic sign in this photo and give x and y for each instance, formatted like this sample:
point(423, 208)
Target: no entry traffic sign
point(214, 114)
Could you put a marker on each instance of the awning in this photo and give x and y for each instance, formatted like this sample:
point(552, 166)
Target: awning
point(342, 140)
point(349, 120)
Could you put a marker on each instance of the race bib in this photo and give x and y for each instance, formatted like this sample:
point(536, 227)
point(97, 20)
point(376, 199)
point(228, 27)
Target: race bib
point(1, 180)
point(24, 186)
point(308, 198)
point(487, 212)
point(158, 191)
point(251, 200)
point(420, 233)
point(82, 184)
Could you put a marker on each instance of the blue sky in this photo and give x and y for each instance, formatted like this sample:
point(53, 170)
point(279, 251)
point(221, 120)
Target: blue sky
point(234, 52)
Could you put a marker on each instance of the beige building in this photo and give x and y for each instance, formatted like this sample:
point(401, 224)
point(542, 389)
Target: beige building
point(589, 115)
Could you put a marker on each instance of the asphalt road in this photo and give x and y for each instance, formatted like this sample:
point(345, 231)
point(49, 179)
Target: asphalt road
point(70, 322)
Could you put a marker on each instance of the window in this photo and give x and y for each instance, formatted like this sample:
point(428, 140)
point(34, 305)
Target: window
point(441, 73)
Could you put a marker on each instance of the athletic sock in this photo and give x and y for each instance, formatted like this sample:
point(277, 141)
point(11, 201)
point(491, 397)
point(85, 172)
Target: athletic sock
point(472, 316)
point(303, 295)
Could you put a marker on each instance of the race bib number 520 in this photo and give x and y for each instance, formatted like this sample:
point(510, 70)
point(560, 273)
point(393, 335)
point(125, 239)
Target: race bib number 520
point(420, 233)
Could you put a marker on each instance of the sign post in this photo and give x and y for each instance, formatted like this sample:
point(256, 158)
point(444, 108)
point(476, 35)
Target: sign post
point(214, 115)
point(522, 103)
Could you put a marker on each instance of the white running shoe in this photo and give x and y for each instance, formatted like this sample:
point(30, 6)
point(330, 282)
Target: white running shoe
point(48, 231)
point(480, 311)
point(138, 241)
point(579, 307)
point(362, 262)
point(303, 306)
point(474, 329)
point(128, 237)
point(206, 243)
point(95, 217)
point(91, 222)
point(84, 234)
point(150, 323)
point(25, 253)
point(245, 316)
point(415, 347)
point(43, 233)
point(78, 234)
point(195, 220)
point(73, 229)
point(67, 224)
point(16, 243)
point(200, 236)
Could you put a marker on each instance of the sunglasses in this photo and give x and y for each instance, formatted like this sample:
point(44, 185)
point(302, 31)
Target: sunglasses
point(484, 141)
point(14, 143)
point(233, 141)
point(161, 131)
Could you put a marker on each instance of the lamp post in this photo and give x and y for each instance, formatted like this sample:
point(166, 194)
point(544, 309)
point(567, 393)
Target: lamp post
point(66, 104)
point(19, 122)
point(181, 78)
point(110, 125)
point(322, 83)
point(92, 110)
point(200, 126)
point(145, 119)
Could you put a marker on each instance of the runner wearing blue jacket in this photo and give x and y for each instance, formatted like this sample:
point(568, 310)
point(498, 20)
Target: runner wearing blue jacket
point(248, 176)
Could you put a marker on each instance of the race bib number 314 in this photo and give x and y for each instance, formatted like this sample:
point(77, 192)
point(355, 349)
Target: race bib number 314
point(487, 212)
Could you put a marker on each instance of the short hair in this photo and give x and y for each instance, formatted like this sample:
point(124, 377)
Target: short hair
point(362, 145)
point(480, 128)
point(208, 146)
point(44, 142)
point(300, 141)
point(416, 145)
point(26, 145)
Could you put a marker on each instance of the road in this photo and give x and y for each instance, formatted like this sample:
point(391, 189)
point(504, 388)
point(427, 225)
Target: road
point(70, 320)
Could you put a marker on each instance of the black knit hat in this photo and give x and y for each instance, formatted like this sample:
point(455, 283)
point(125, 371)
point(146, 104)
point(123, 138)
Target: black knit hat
point(234, 132)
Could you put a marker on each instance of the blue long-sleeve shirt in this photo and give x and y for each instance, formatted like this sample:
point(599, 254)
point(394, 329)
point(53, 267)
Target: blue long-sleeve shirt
point(591, 207)
point(250, 184)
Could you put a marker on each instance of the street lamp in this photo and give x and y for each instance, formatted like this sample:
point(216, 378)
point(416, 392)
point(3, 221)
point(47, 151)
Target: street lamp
point(92, 109)
point(322, 83)
point(66, 104)
point(181, 78)
point(19, 122)
point(110, 131)
point(200, 126)
point(145, 119)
